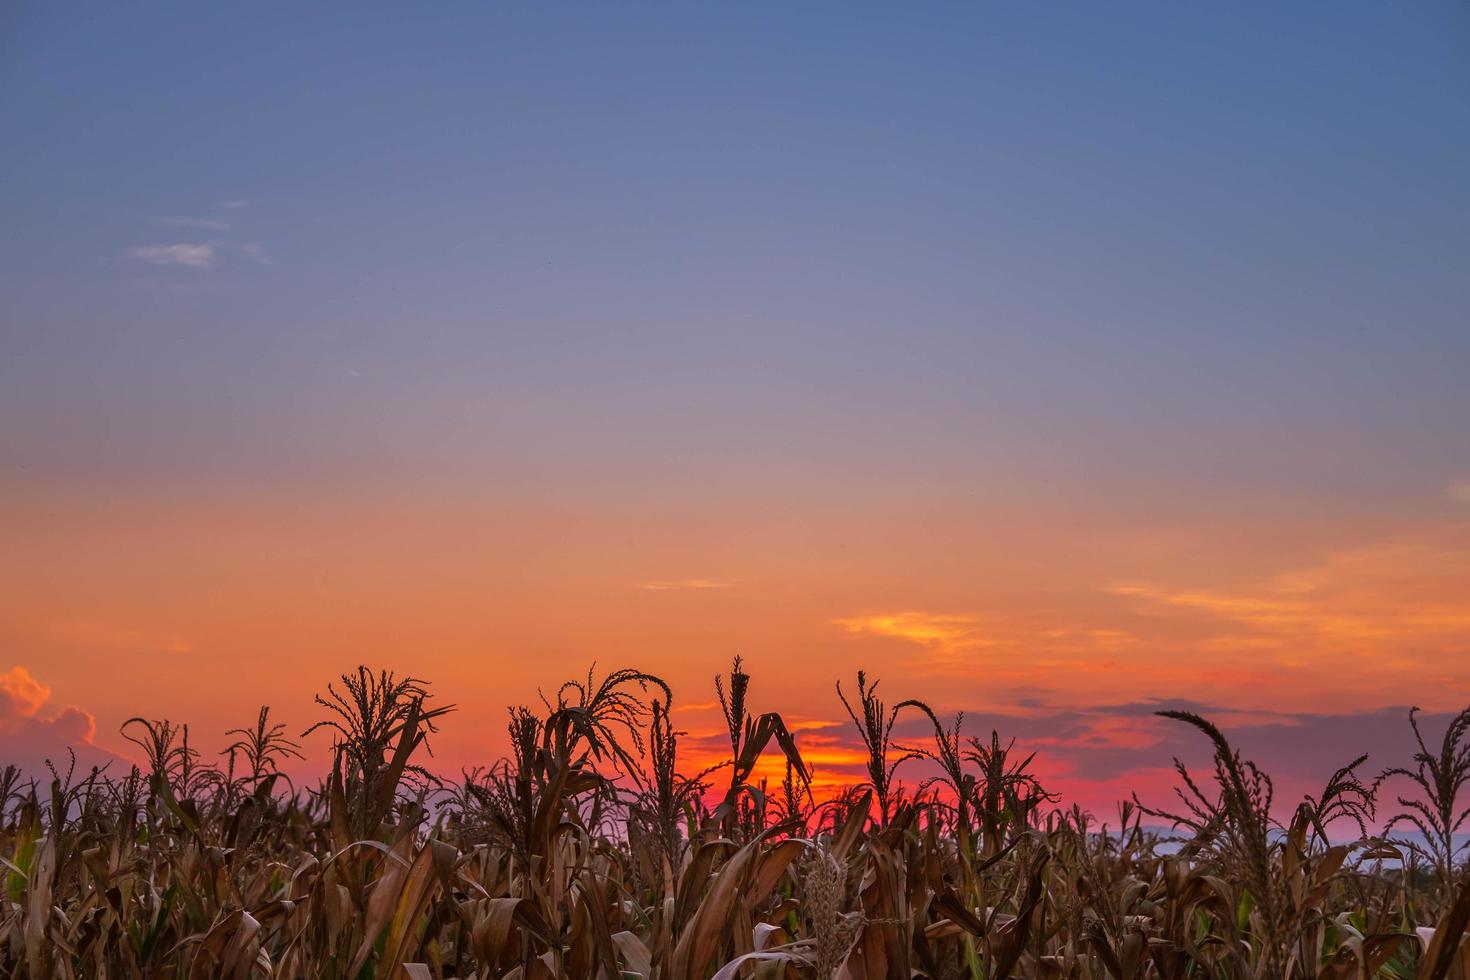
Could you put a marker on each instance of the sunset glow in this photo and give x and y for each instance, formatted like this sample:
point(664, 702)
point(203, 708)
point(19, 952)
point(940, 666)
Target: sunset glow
point(1049, 395)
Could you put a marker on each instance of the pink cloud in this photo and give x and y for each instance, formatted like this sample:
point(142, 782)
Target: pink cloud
point(35, 730)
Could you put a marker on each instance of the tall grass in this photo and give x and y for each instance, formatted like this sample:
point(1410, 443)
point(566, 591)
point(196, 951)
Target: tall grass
point(592, 852)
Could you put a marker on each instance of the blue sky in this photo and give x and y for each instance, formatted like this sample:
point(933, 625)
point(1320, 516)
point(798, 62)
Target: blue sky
point(1254, 215)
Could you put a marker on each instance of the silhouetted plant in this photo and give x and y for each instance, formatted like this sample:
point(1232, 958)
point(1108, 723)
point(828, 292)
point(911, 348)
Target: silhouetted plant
point(948, 754)
point(1235, 826)
point(525, 740)
point(875, 727)
point(1438, 812)
point(591, 719)
point(379, 721)
point(1345, 797)
point(1007, 793)
point(670, 799)
point(749, 736)
point(262, 748)
point(174, 767)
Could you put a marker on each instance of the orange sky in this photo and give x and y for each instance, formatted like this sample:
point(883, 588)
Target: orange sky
point(201, 609)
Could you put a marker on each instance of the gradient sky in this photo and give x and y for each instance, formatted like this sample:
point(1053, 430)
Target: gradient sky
point(1051, 362)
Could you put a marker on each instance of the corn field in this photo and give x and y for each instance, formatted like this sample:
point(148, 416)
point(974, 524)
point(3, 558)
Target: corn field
point(590, 853)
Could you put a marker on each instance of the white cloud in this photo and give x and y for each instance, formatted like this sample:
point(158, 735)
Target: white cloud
point(192, 256)
point(210, 224)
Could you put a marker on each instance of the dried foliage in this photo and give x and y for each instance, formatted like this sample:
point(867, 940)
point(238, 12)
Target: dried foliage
point(588, 853)
point(1439, 809)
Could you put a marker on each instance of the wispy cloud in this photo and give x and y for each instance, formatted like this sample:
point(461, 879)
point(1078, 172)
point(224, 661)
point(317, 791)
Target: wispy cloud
point(215, 250)
point(193, 256)
point(671, 585)
point(1459, 491)
point(256, 253)
point(814, 725)
point(1354, 628)
point(209, 224)
point(943, 632)
point(1394, 591)
point(119, 639)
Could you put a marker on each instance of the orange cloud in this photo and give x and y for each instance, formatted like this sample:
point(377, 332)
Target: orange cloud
point(35, 731)
point(23, 703)
point(1387, 620)
point(702, 706)
point(674, 585)
point(937, 631)
point(21, 696)
point(118, 639)
point(813, 725)
point(1407, 590)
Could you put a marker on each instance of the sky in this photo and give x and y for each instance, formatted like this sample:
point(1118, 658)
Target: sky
point(1053, 363)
